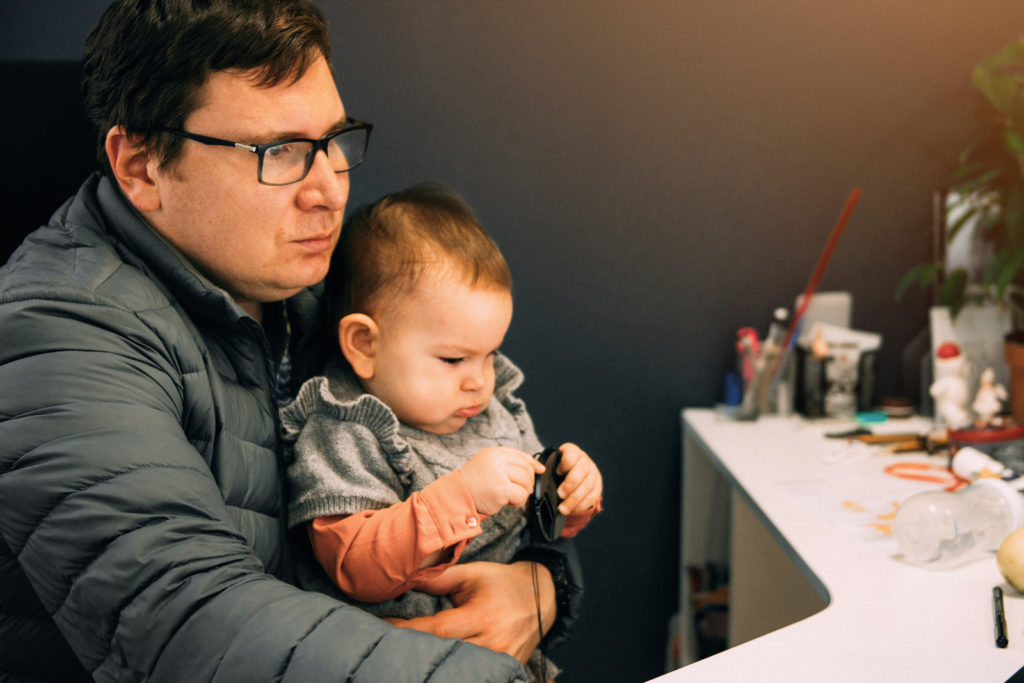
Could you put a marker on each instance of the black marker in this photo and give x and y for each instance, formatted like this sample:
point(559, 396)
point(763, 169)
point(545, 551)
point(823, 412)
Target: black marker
point(1000, 616)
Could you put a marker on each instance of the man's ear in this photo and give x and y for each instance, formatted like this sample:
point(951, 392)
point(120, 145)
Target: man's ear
point(133, 170)
point(358, 336)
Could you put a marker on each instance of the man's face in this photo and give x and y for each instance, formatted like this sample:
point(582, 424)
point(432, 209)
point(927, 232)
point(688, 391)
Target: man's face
point(258, 242)
point(434, 362)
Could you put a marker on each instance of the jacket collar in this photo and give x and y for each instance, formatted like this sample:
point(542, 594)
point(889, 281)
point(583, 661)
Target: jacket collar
point(188, 286)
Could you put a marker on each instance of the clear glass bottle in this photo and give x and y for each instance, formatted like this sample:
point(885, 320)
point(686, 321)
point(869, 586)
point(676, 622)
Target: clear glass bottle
point(939, 529)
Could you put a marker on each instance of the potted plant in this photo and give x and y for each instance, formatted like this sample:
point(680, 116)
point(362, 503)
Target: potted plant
point(987, 191)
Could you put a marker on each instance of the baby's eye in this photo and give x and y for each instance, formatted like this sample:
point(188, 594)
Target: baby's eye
point(451, 361)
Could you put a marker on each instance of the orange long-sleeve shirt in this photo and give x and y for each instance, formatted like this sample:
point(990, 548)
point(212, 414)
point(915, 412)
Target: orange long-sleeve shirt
point(377, 555)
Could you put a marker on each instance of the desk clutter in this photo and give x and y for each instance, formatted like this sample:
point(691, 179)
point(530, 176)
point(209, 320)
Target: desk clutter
point(977, 501)
point(820, 368)
point(968, 449)
point(768, 370)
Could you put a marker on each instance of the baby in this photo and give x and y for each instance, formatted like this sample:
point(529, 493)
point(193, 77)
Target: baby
point(414, 444)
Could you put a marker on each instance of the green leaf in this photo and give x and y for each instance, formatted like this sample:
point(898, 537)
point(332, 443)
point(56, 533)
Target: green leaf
point(953, 292)
point(1001, 79)
point(990, 222)
point(980, 182)
point(963, 219)
point(995, 267)
point(1008, 271)
point(1015, 142)
point(1013, 214)
point(924, 274)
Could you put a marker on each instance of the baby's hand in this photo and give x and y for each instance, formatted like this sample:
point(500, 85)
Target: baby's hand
point(500, 476)
point(583, 486)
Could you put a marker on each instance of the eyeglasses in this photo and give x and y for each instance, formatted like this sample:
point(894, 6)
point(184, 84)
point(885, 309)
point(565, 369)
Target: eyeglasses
point(288, 161)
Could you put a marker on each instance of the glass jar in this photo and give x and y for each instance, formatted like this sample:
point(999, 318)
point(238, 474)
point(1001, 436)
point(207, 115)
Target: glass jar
point(939, 529)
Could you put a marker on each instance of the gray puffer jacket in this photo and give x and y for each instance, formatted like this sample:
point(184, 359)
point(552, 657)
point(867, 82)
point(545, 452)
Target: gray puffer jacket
point(140, 479)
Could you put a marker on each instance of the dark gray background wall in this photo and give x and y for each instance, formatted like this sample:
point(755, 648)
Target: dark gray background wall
point(658, 173)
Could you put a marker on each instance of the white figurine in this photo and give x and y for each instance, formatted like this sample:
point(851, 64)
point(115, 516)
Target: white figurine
point(988, 402)
point(950, 386)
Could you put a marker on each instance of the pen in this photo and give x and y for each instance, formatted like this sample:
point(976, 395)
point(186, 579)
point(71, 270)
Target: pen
point(997, 610)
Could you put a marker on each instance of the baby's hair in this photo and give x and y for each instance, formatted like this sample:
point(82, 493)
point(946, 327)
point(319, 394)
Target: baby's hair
point(385, 247)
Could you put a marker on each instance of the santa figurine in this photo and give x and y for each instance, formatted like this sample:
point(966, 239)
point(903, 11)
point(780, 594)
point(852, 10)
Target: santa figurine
point(988, 402)
point(950, 386)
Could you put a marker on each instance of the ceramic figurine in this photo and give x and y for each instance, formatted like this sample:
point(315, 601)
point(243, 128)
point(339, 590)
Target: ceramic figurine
point(950, 386)
point(988, 402)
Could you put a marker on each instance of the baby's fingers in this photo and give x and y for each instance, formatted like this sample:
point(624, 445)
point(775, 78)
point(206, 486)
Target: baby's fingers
point(575, 466)
point(522, 469)
point(580, 499)
point(571, 455)
point(581, 490)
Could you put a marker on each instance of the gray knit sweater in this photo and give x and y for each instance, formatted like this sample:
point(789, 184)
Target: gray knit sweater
point(348, 452)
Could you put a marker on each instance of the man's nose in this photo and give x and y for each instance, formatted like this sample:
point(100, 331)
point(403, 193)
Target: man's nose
point(325, 187)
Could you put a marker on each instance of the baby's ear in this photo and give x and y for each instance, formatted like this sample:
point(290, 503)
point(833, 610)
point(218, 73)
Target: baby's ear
point(358, 336)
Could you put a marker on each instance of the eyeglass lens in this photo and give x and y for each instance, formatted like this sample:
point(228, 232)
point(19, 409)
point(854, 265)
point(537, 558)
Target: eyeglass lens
point(291, 161)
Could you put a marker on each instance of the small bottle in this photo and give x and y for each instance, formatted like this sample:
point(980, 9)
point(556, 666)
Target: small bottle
point(938, 529)
point(779, 395)
point(777, 328)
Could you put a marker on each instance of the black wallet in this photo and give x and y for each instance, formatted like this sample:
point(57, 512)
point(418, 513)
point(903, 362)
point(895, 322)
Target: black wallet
point(546, 522)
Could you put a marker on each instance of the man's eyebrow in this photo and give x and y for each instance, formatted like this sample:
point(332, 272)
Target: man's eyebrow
point(276, 136)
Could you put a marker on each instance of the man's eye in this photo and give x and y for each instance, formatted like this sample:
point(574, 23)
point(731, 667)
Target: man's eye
point(286, 152)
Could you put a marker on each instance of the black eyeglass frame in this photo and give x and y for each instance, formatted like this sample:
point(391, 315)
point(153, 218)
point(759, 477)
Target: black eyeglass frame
point(260, 149)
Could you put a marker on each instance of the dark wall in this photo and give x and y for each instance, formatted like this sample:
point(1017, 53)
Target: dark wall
point(49, 144)
point(658, 173)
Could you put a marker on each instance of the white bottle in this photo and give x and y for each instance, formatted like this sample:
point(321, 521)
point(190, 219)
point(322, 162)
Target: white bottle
point(938, 529)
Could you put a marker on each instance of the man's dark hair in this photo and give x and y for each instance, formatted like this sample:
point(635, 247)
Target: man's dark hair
point(146, 61)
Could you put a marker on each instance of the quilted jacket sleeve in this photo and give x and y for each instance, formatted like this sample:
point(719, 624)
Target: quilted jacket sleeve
point(120, 525)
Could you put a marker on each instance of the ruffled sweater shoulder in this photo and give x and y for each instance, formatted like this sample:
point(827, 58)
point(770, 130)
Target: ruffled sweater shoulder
point(347, 451)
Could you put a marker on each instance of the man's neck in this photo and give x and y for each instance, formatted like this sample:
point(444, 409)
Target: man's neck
point(253, 308)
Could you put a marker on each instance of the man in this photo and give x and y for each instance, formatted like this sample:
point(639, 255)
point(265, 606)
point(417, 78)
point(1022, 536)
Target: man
point(143, 338)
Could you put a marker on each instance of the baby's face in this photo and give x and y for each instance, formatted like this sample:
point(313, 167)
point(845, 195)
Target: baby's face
point(434, 364)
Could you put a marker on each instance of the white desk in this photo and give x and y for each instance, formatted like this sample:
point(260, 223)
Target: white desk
point(863, 615)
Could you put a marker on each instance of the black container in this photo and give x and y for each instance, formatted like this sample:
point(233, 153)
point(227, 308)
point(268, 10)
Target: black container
point(811, 383)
